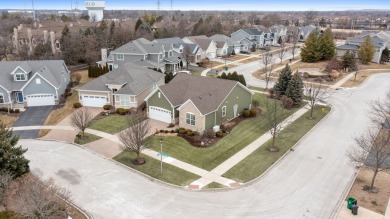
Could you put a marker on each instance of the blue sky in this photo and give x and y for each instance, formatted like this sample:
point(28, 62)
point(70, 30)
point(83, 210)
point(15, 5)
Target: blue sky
point(258, 5)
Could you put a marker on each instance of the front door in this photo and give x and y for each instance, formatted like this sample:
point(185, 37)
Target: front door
point(235, 107)
point(19, 97)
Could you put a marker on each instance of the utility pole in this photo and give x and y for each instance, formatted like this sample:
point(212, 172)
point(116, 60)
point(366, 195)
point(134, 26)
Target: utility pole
point(158, 6)
point(32, 2)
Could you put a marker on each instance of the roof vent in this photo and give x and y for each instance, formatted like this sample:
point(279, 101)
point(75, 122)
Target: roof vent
point(200, 97)
point(210, 94)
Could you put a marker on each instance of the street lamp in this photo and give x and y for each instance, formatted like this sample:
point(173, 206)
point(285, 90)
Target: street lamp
point(161, 154)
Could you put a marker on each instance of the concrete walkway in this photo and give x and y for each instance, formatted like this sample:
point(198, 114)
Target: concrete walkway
point(363, 213)
point(204, 73)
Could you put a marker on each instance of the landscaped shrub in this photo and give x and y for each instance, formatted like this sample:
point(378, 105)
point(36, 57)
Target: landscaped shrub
point(245, 113)
point(189, 132)
point(255, 103)
point(121, 111)
point(209, 133)
point(171, 125)
point(287, 102)
point(172, 131)
point(11, 111)
point(219, 134)
point(166, 131)
point(176, 130)
point(17, 110)
point(161, 130)
point(196, 133)
point(77, 105)
point(107, 107)
point(252, 113)
point(4, 109)
point(271, 93)
point(182, 130)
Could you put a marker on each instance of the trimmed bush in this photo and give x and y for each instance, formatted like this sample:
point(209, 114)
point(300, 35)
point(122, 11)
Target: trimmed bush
point(246, 113)
point(107, 107)
point(189, 132)
point(17, 110)
point(161, 130)
point(182, 131)
point(121, 111)
point(172, 131)
point(166, 131)
point(287, 102)
point(219, 134)
point(252, 113)
point(255, 103)
point(171, 125)
point(77, 105)
point(11, 111)
point(271, 93)
point(196, 133)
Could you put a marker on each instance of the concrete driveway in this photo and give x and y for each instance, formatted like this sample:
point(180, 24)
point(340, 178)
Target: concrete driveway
point(31, 117)
point(309, 183)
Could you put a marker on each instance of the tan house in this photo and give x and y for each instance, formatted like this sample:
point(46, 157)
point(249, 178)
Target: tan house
point(124, 87)
point(198, 103)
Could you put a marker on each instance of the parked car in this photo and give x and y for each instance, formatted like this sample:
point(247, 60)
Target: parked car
point(245, 52)
point(184, 72)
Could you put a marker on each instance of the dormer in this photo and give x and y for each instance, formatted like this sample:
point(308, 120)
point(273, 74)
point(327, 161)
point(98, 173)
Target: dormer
point(115, 87)
point(19, 74)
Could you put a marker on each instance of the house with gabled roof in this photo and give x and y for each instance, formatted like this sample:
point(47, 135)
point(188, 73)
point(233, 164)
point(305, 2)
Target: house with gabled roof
point(32, 83)
point(254, 35)
point(208, 46)
point(144, 53)
point(124, 87)
point(198, 103)
point(187, 52)
point(231, 44)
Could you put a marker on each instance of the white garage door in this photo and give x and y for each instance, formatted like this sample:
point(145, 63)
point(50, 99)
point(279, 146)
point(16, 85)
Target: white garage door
point(94, 101)
point(40, 100)
point(160, 114)
point(211, 55)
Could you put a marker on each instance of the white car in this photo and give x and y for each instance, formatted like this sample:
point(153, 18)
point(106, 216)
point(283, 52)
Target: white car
point(184, 72)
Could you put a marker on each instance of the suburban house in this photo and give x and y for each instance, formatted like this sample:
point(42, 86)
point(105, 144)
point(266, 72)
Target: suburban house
point(278, 31)
point(183, 50)
point(208, 46)
point(222, 48)
point(124, 87)
point(353, 43)
point(144, 53)
point(198, 103)
point(253, 35)
point(231, 44)
point(32, 83)
point(305, 32)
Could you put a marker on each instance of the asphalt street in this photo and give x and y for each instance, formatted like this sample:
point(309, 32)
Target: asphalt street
point(308, 183)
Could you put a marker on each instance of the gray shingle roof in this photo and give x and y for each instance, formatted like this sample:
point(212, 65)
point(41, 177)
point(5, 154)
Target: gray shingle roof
point(252, 31)
point(348, 47)
point(224, 38)
point(51, 70)
point(205, 92)
point(202, 42)
point(141, 46)
point(134, 77)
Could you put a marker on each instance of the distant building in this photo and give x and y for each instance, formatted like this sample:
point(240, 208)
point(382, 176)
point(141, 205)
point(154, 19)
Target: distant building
point(95, 10)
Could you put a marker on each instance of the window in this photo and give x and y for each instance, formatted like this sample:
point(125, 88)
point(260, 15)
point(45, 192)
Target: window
point(181, 50)
point(120, 57)
point(58, 45)
point(154, 87)
point(125, 101)
point(190, 119)
point(132, 99)
point(223, 111)
point(159, 94)
point(1, 98)
point(38, 81)
point(161, 56)
point(20, 77)
point(170, 53)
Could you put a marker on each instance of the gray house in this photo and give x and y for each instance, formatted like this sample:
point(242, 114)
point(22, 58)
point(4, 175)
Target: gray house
point(32, 83)
point(232, 44)
point(144, 53)
point(185, 51)
point(124, 87)
point(254, 35)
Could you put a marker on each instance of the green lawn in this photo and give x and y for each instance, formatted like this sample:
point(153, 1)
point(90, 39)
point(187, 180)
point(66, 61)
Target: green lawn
point(261, 159)
point(214, 185)
point(90, 138)
point(258, 89)
point(7, 215)
point(171, 174)
point(209, 158)
point(198, 73)
point(111, 124)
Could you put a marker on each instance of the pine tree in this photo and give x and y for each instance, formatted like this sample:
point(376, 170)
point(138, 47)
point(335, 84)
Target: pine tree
point(327, 47)
point(234, 76)
point(385, 55)
point(138, 24)
point(283, 81)
point(89, 71)
point(223, 76)
point(348, 60)
point(295, 89)
point(366, 50)
point(241, 79)
point(310, 51)
point(233, 52)
point(11, 156)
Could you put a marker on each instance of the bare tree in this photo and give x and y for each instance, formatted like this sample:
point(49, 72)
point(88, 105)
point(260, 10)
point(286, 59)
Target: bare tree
point(268, 62)
point(275, 116)
point(41, 199)
point(5, 180)
point(295, 39)
point(373, 149)
point(270, 19)
point(355, 67)
point(316, 92)
point(380, 110)
point(133, 137)
point(81, 119)
point(187, 53)
point(282, 51)
point(310, 16)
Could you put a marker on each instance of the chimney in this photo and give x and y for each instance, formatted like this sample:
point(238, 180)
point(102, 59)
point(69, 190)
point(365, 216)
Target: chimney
point(45, 36)
point(16, 39)
point(29, 36)
point(104, 56)
point(52, 42)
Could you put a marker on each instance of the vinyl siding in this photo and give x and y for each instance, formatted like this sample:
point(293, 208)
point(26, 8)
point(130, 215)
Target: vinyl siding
point(64, 83)
point(141, 97)
point(238, 96)
point(161, 102)
point(239, 35)
point(43, 88)
point(199, 119)
point(5, 94)
point(210, 121)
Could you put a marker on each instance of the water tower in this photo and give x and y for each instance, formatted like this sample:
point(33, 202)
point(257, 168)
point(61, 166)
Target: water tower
point(95, 10)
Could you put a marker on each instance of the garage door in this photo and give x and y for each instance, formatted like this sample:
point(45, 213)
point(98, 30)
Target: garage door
point(160, 114)
point(211, 55)
point(40, 100)
point(94, 101)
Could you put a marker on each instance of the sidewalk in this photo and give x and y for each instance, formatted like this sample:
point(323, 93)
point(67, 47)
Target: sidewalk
point(363, 213)
point(204, 72)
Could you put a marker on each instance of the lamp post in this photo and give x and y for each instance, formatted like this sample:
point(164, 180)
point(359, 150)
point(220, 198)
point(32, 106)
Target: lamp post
point(161, 141)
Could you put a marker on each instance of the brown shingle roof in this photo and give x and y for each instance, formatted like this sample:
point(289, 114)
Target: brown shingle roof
point(205, 92)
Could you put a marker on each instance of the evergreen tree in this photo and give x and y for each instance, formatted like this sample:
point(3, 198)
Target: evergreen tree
point(233, 52)
point(241, 79)
point(295, 89)
point(138, 24)
point(223, 76)
point(234, 76)
point(11, 156)
point(229, 76)
point(89, 71)
point(66, 49)
point(327, 47)
point(310, 51)
point(385, 55)
point(348, 60)
point(366, 50)
point(283, 81)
